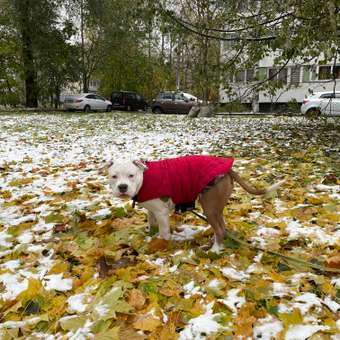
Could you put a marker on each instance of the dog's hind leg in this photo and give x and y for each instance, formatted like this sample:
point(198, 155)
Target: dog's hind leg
point(213, 202)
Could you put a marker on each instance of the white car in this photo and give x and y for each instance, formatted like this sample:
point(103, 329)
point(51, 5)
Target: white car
point(87, 102)
point(190, 97)
point(325, 103)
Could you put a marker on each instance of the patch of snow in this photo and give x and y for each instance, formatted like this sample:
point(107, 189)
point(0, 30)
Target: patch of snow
point(14, 285)
point(306, 301)
point(188, 232)
point(3, 239)
point(25, 237)
point(22, 219)
point(76, 303)
point(283, 308)
point(280, 289)
point(279, 206)
point(173, 268)
point(315, 234)
point(42, 226)
point(298, 332)
point(267, 328)
point(102, 213)
point(190, 289)
point(202, 326)
point(35, 248)
point(214, 283)
point(19, 324)
point(11, 265)
point(331, 304)
point(82, 333)
point(296, 278)
point(262, 233)
point(233, 274)
point(101, 309)
point(56, 282)
point(233, 301)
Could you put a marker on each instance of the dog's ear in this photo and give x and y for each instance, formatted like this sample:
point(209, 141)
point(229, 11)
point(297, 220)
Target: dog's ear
point(140, 164)
point(105, 166)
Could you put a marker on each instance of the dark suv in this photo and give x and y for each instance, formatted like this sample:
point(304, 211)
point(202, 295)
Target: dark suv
point(128, 100)
point(173, 102)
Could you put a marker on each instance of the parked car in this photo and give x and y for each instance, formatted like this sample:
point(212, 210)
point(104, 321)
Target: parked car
point(87, 102)
point(128, 100)
point(325, 103)
point(173, 102)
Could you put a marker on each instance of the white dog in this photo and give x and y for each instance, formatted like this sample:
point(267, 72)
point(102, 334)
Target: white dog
point(159, 186)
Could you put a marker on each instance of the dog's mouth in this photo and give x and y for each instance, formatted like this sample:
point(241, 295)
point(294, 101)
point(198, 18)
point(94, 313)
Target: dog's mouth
point(123, 195)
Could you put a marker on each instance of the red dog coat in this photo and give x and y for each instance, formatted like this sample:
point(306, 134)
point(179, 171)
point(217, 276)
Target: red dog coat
point(182, 178)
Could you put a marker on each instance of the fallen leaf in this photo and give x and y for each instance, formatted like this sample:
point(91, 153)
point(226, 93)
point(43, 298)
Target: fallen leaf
point(158, 244)
point(147, 323)
point(136, 299)
point(169, 292)
point(333, 262)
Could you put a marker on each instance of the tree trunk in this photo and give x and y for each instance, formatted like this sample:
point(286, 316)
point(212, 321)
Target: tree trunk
point(84, 77)
point(57, 97)
point(205, 70)
point(23, 7)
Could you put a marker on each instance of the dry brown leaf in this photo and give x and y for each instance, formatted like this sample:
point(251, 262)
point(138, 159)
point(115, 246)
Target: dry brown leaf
point(158, 244)
point(136, 299)
point(244, 322)
point(333, 262)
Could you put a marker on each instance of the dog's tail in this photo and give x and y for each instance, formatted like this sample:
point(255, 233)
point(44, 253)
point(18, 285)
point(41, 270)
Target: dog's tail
point(251, 189)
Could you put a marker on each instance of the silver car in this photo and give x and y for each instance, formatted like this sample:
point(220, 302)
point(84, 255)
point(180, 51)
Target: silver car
point(325, 103)
point(86, 102)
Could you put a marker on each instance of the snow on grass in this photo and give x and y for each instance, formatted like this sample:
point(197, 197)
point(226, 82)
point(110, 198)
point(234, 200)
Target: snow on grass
point(18, 324)
point(233, 274)
point(76, 303)
point(202, 326)
point(233, 301)
point(13, 284)
point(267, 328)
point(56, 282)
point(188, 232)
point(190, 289)
point(51, 168)
point(315, 234)
point(298, 332)
point(306, 301)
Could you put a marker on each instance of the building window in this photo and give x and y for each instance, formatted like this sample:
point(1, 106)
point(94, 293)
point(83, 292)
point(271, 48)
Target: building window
point(275, 74)
point(282, 76)
point(309, 73)
point(250, 75)
point(325, 72)
point(336, 72)
point(261, 73)
point(239, 76)
point(295, 75)
point(306, 74)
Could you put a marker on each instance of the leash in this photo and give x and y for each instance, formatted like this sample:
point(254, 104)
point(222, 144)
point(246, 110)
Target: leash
point(287, 258)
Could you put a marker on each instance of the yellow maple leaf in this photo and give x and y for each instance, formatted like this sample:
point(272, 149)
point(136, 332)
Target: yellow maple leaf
point(147, 323)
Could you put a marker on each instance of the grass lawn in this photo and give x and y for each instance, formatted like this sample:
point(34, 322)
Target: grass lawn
point(77, 263)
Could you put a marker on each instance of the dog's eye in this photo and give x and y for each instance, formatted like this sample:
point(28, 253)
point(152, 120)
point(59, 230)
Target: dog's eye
point(131, 176)
point(114, 176)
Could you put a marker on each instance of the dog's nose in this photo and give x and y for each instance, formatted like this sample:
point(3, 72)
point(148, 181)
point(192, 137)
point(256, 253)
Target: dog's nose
point(123, 188)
